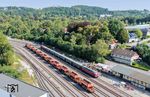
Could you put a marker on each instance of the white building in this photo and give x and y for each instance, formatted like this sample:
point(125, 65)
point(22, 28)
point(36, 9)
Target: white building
point(124, 56)
point(133, 37)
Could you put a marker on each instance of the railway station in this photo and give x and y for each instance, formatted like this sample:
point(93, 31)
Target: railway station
point(138, 78)
point(134, 76)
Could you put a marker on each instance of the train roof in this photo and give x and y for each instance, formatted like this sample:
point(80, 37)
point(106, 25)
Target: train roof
point(87, 82)
point(64, 67)
point(74, 73)
point(76, 62)
point(90, 69)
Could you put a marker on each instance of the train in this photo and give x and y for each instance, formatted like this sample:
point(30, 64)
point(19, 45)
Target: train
point(72, 62)
point(88, 86)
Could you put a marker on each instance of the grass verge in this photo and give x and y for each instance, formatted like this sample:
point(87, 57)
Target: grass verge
point(141, 66)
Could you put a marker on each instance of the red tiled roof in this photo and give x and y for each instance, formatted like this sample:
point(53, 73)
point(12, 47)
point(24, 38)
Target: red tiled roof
point(124, 52)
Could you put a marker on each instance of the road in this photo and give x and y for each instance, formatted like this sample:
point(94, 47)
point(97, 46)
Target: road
point(135, 43)
point(102, 90)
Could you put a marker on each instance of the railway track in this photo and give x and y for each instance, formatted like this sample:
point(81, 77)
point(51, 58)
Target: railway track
point(41, 78)
point(127, 95)
point(100, 91)
point(112, 92)
point(99, 83)
point(43, 84)
point(95, 95)
point(61, 83)
point(44, 78)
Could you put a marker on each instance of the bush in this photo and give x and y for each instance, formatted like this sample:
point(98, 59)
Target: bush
point(100, 60)
point(140, 66)
point(11, 72)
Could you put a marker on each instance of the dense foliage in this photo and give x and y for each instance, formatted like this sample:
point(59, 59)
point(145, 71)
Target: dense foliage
point(7, 57)
point(76, 30)
point(6, 52)
point(86, 12)
point(144, 51)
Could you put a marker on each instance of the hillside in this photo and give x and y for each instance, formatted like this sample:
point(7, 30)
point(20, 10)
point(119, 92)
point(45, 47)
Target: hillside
point(79, 10)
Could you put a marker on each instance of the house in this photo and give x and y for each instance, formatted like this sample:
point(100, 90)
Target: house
point(144, 28)
point(17, 88)
point(105, 16)
point(133, 37)
point(136, 77)
point(113, 44)
point(124, 56)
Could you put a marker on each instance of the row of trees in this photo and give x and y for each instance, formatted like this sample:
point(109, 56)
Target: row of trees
point(137, 20)
point(85, 12)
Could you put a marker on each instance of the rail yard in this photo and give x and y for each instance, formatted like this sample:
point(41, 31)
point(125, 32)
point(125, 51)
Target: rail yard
point(64, 79)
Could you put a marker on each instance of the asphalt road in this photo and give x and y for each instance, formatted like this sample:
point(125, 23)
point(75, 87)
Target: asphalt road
point(135, 43)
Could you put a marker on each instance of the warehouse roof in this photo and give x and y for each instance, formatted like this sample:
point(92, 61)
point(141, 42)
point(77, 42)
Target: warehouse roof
point(133, 72)
point(124, 52)
point(5, 94)
point(138, 27)
point(24, 89)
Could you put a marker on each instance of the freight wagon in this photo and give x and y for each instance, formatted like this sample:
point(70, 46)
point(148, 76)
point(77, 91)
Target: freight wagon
point(72, 62)
point(73, 75)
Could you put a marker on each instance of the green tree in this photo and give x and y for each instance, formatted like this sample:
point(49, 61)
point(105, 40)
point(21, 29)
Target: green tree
point(6, 52)
point(115, 26)
point(101, 47)
point(104, 34)
point(122, 46)
point(144, 51)
point(123, 36)
point(139, 33)
point(73, 39)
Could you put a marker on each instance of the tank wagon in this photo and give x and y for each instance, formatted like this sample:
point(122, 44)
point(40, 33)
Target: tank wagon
point(88, 86)
point(72, 62)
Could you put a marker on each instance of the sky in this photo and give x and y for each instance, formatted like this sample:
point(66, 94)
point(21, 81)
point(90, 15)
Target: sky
point(110, 4)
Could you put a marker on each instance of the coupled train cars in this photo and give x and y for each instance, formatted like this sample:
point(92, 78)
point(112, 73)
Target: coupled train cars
point(72, 62)
point(56, 64)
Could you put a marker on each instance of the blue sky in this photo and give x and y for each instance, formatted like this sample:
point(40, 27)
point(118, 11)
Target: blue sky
point(110, 4)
